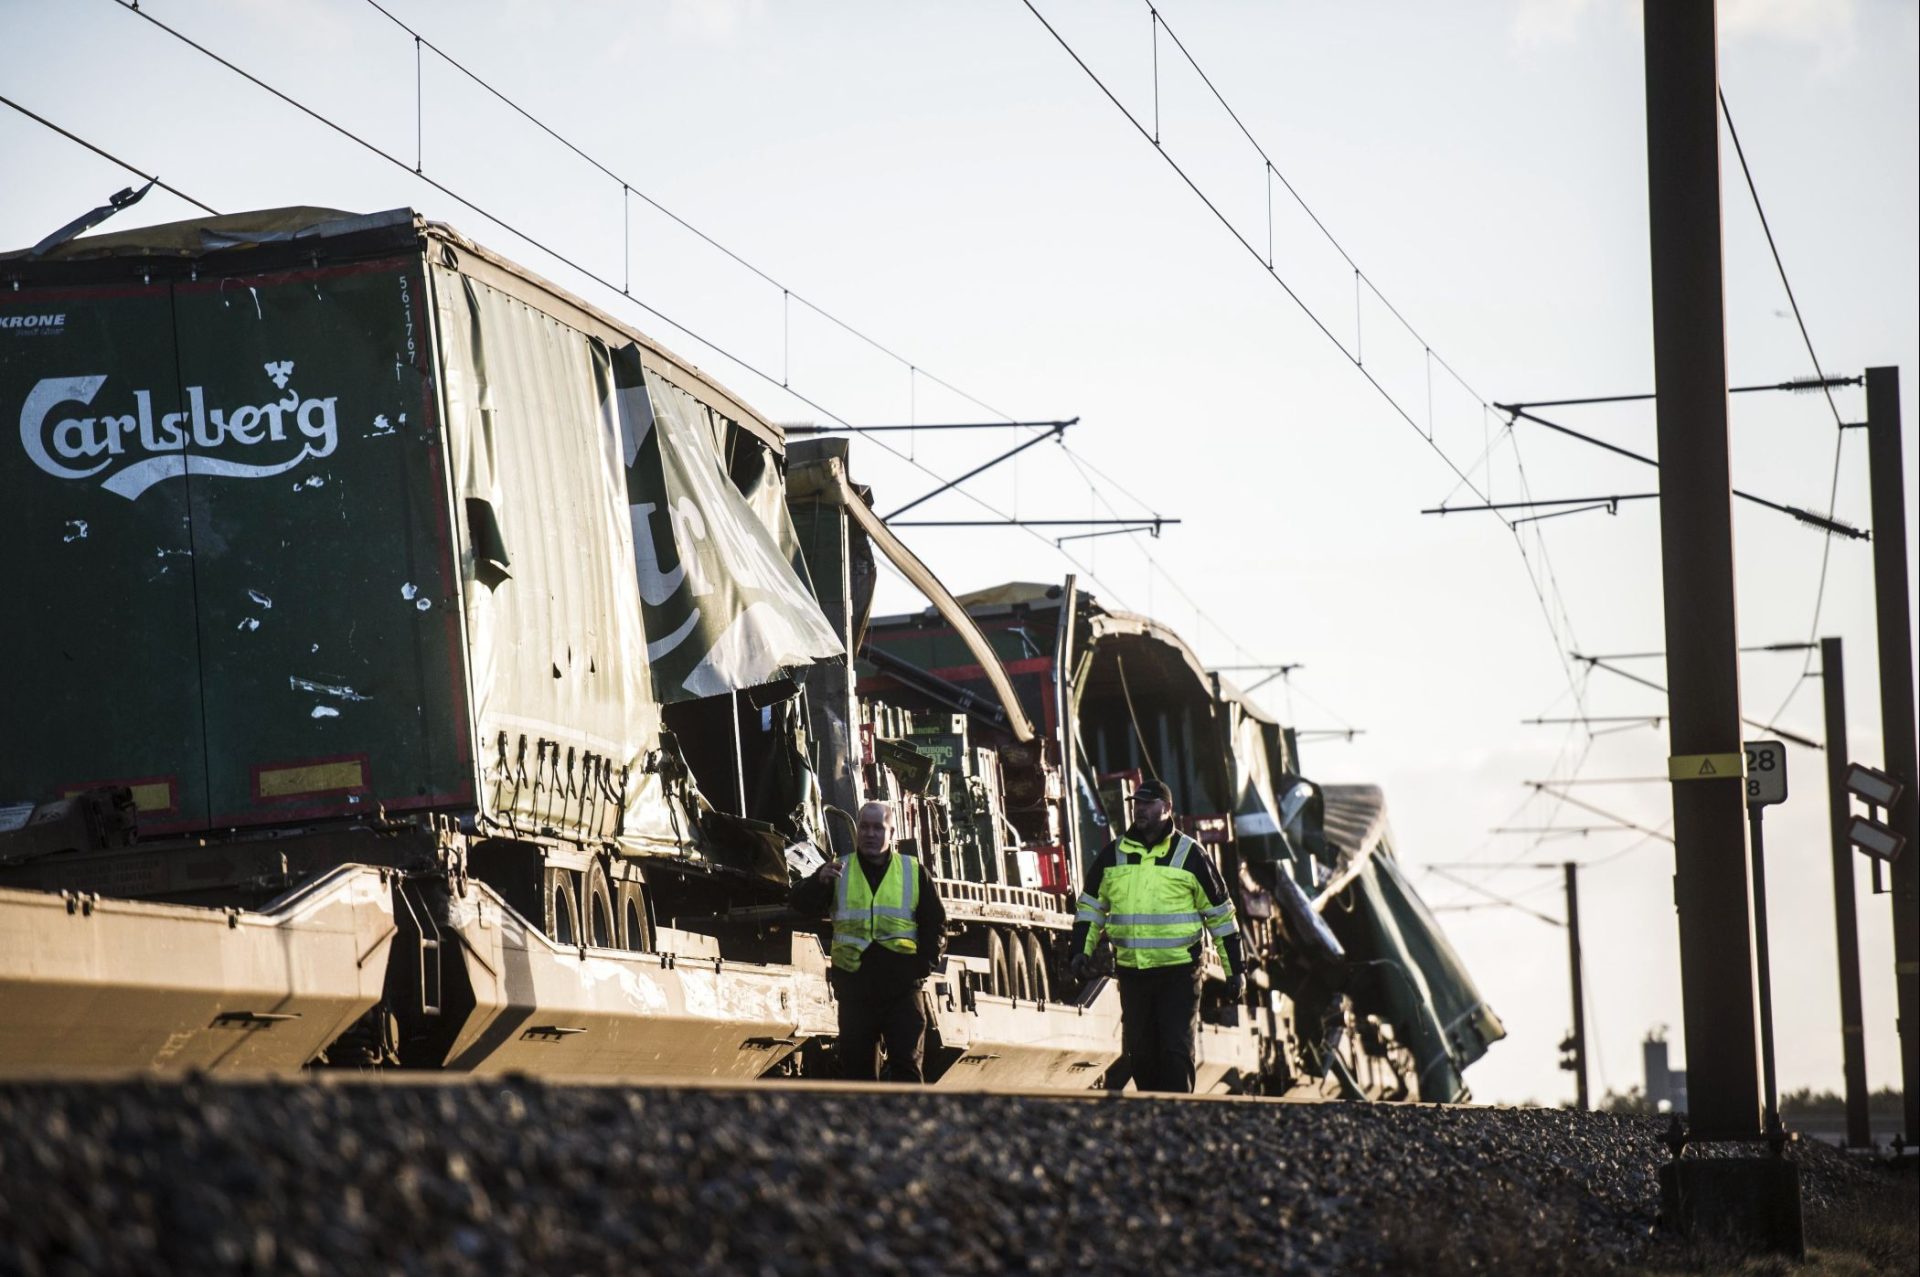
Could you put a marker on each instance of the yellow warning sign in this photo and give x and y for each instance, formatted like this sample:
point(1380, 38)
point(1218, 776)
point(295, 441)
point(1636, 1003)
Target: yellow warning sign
point(1707, 767)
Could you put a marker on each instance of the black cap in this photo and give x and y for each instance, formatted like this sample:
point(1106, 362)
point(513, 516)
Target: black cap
point(1153, 789)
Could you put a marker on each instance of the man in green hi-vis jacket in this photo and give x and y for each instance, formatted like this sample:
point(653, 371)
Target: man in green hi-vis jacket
point(1160, 898)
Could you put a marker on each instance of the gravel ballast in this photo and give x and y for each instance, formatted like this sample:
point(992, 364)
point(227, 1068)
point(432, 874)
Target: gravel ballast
point(331, 1176)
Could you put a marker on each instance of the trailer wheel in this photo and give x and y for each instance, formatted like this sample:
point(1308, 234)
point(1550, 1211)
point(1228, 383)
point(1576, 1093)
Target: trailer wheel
point(635, 932)
point(1037, 962)
point(1022, 990)
point(598, 910)
point(999, 970)
point(563, 906)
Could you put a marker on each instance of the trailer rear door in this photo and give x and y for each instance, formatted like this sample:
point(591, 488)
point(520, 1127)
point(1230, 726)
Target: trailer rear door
point(240, 588)
point(328, 614)
point(98, 661)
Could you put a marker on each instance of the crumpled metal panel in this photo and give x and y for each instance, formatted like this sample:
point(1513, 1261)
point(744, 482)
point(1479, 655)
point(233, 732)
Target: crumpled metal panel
point(562, 699)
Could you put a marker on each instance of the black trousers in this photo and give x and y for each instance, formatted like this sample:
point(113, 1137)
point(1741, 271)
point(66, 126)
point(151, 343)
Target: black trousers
point(1159, 1016)
point(870, 1016)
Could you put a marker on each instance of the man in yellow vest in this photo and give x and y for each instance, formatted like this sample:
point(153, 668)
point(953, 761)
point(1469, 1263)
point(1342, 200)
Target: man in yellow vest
point(1159, 897)
point(889, 931)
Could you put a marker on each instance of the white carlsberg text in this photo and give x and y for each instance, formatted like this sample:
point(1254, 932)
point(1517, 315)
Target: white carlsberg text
point(69, 446)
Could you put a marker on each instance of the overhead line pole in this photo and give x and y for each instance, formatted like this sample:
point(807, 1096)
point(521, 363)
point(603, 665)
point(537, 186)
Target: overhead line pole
point(1696, 535)
point(1846, 927)
point(1579, 1065)
point(1575, 1044)
point(1900, 753)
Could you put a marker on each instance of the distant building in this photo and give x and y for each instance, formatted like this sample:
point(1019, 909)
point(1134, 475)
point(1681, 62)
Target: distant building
point(1666, 1087)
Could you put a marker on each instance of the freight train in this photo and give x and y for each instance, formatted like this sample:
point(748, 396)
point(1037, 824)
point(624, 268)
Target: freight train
point(408, 665)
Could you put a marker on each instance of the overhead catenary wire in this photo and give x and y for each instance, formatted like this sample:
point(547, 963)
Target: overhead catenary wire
point(1153, 136)
point(1840, 431)
point(1495, 897)
point(787, 294)
point(1596, 662)
point(105, 154)
point(1790, 386)
point(628, 188)
point(1827, 523)
point(1233, 230)
point(595, 276)
point(1602, 812)
point(627, 191)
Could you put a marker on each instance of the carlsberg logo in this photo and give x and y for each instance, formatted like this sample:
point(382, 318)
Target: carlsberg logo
point(69, 446)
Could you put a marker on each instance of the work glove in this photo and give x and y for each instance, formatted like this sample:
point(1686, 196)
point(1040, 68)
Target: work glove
point(1080, 967)
point(1236, 986)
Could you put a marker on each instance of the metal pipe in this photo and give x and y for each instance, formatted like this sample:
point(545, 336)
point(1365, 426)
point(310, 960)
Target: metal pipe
point(1769, 1085)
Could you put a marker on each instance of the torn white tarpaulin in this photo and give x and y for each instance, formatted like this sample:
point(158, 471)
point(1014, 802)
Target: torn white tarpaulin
point(723, 607)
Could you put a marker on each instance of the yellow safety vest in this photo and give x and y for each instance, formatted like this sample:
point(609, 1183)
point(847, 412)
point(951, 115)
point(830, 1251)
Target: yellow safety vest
point(1153, 906)
point(864, 915)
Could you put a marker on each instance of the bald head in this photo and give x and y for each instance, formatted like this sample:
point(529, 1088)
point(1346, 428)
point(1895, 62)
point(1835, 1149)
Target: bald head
point(873, 831)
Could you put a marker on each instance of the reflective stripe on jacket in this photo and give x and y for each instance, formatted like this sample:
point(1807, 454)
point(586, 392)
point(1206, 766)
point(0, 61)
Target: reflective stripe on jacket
point(1153, 906)
point(864, 915)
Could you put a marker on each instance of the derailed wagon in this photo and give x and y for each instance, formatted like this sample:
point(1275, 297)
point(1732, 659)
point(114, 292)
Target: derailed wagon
point(1355, 989)
point(486, 671)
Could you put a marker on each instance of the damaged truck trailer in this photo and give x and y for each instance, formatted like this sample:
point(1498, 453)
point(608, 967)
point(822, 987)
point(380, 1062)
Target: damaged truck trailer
point(410, 665)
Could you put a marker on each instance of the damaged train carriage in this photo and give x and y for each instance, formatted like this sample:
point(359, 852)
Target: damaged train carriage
point(1355, 990)
point(469, 660)
point(499, 668)
point(394, 680)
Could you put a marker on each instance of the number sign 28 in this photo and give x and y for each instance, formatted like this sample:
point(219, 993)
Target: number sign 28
point(1766, 772)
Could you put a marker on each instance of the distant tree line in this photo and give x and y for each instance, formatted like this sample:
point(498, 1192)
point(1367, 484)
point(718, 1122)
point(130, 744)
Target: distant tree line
point(1805, 1102)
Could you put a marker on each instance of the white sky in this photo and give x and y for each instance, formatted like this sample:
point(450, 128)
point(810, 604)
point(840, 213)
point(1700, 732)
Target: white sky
point(943, 177)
